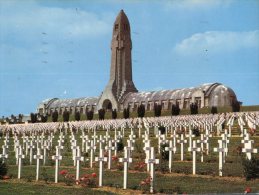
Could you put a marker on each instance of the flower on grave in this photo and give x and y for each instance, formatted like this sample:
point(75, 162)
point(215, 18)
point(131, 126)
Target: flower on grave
point(114, 158)
point(63, 172)
point(94, 175)
point(248, 190)
point(5, 177)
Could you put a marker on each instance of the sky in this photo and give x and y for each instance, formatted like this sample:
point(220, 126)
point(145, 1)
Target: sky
point(61, 49)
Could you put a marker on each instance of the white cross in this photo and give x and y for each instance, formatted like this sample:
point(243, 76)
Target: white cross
point(248, 149)
point(147, 150)
point(194, 149)
point(4, 154)
point(174, 136)
point(109, 148)
point(57, 158)
point(45, 147)
point(38, 157)
point(171, 149)
point(101, 159)
point(182, 141)
point(151, 161)
point(202, 141)
point(31, 146)
point(78, 158)
point(190, 136)
point(220, 150)
point(125, 161)
point(92, 149)
point(20, 157)
point(129, 147)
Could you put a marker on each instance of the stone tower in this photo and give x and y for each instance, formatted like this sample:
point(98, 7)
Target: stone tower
point(120, 82)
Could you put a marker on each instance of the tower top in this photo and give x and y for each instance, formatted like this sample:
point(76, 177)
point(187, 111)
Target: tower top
point(121, 18)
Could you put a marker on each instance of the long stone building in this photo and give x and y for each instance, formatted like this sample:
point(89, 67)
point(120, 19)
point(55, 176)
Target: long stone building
point(121, 92)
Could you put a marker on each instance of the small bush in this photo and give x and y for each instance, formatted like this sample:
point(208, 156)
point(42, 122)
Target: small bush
point(161, 129)
point(3, 168)
point(54, 116)
point(235, 106)
point(175, 110)
point(114, 114)
point(164, 154)
point(90, 115)
point(126, 113)
point(65, 116)
point(251, 168)
point(214, 110)
point(77, 116)
point(157, 110)
point(194, 108)
point(196, 132)
point(101, 114)
point(141, 111)
point(120, 146)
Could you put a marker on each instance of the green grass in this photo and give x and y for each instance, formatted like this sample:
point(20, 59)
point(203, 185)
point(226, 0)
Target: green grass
point(233, 181)
point(25, 188)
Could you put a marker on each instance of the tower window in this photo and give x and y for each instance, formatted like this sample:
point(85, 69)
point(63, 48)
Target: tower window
point(116, 27)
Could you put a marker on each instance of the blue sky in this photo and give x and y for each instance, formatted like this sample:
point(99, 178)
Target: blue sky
point(62, 48)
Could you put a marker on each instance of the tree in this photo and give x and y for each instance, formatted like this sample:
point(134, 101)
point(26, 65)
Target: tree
point(214, 110)
point(101, 114)
point(157, 110)
point(90, 115)
point(77, 116)
point(175, 109)
point(54, 116)
point(126, 113)
point(235, 106)
point(194, 108)
point(141, 111)
point(33, 117)
point(44, 118)
point(66, 116)
point(114, 114)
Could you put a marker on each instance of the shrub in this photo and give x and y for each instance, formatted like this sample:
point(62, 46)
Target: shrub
point(214, 110)
point(120, 146)
point(44, 118)
point(3, 168)
point(175, 110)
point(194, 108)
point(235, 106)
point(77, 116)
point(164, 154)
point(101, 114)
point(141, 111)
point(114, 114)
point(157, 110)
point(196, 132)
point(90, 115)
point(33, 117)
point(126, 113)
point(251, 168)
point(161, 129)
point(54, 116)
point(65, 116)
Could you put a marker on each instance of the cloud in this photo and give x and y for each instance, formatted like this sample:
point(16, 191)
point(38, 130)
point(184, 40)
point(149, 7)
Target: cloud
point(217, 42)
point(29, 19)
point(197, 4)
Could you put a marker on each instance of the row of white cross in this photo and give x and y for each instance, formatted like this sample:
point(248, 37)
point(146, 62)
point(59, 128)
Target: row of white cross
point(90, 144)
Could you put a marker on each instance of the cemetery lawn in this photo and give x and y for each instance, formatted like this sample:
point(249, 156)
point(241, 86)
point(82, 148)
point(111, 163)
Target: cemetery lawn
point(179, 181)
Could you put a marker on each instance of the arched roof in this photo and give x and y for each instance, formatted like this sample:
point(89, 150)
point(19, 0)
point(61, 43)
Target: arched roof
point(78, 102)
point(169, 94)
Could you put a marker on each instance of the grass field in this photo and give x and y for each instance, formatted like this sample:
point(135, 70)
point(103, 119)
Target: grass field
point(180, 180)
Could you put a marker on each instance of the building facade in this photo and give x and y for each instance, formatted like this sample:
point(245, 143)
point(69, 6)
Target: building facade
point(121, 92)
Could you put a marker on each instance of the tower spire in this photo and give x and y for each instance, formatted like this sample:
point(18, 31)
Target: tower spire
point(120, 82)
